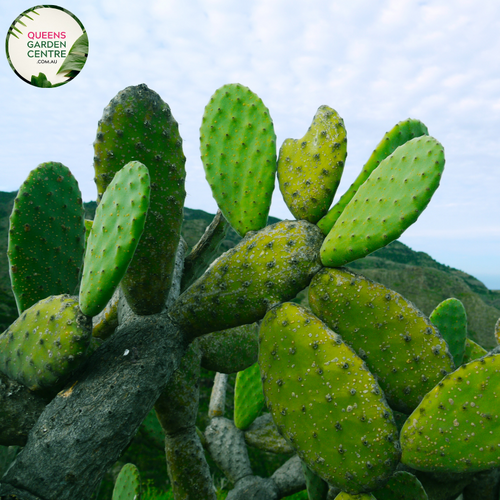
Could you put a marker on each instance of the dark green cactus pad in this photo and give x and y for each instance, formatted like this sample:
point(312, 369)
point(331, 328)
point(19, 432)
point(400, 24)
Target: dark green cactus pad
point(401, 486)
point(138, 125)
point(388, 202)
point(238, 150)
point(128, 484)
point(264, 269)
point(456, 426)
point(347, 496)
point(472, 351)
point(317, 488)
point(119, 222)
point(46, 235)
point(230, 351)
point(46, 343)
point(397, 136)
point(397, 342)
point(450, 319)
point(325, 402)
point(309, 169)
point(248, 397)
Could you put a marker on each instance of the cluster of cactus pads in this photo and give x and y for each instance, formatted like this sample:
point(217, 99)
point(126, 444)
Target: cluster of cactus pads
point(365, 390)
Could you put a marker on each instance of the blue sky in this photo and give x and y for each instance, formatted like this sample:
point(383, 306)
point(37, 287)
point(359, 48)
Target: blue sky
point(376, 62)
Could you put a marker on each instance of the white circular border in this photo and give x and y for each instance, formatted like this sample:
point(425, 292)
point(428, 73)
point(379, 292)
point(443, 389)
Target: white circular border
point(28, 29)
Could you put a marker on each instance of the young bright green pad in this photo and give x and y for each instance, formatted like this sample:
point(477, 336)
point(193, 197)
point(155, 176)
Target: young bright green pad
point(128, 484)
point(264, 269)
point(397, 342)
point(401, 486)
point(238, 150)
point(388, 202)
point(248, 397)
point(46, 343)
point(450, 319)
point(325, 402)
point(472, 351)
point(456, 427)
point(46, 235)
point(397, 136)
point(138, 125)
point(118, 225)
point(309, 169)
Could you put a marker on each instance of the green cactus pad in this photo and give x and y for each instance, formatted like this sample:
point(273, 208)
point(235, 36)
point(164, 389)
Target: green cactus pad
point(401, 486)
point(238, 150)
point(325, 402)
point(497, 331)
point(138, 125)
point(397, 342)
point(456, 427)
point(388, 202)
point(128, 484)
point(317, 488)
point(472, 351)
point(106, 322)
point(309, 169)
point(397, 136)
point(450, 319)
point(362, 496)
point(264, 269)
point(230, 351)
point(46, 235)
point(118, 225)
point(248, 397)
point(46, 343)
point(88, 228)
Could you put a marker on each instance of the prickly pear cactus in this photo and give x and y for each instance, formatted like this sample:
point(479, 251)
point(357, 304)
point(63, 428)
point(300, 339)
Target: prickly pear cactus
point(397, 342)
point(455, 427)
point(248, 397)
point(450, 319)
point(46, 235)
point(264, 269)
point(387, 203)
point(46, 343)
point(238, 150)
point(325, 402)
point(118, 225)
point(138, 125)
point(310, 168)
point(397, 136)
point(128, 484)
point(328, 396)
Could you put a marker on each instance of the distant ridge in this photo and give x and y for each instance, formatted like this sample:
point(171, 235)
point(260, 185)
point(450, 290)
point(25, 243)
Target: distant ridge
point(415, 275)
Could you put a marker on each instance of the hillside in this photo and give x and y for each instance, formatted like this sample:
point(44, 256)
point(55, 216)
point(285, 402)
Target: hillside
point(415, 275)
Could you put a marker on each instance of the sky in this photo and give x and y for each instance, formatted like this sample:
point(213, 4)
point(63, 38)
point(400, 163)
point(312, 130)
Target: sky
point(376, 62)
